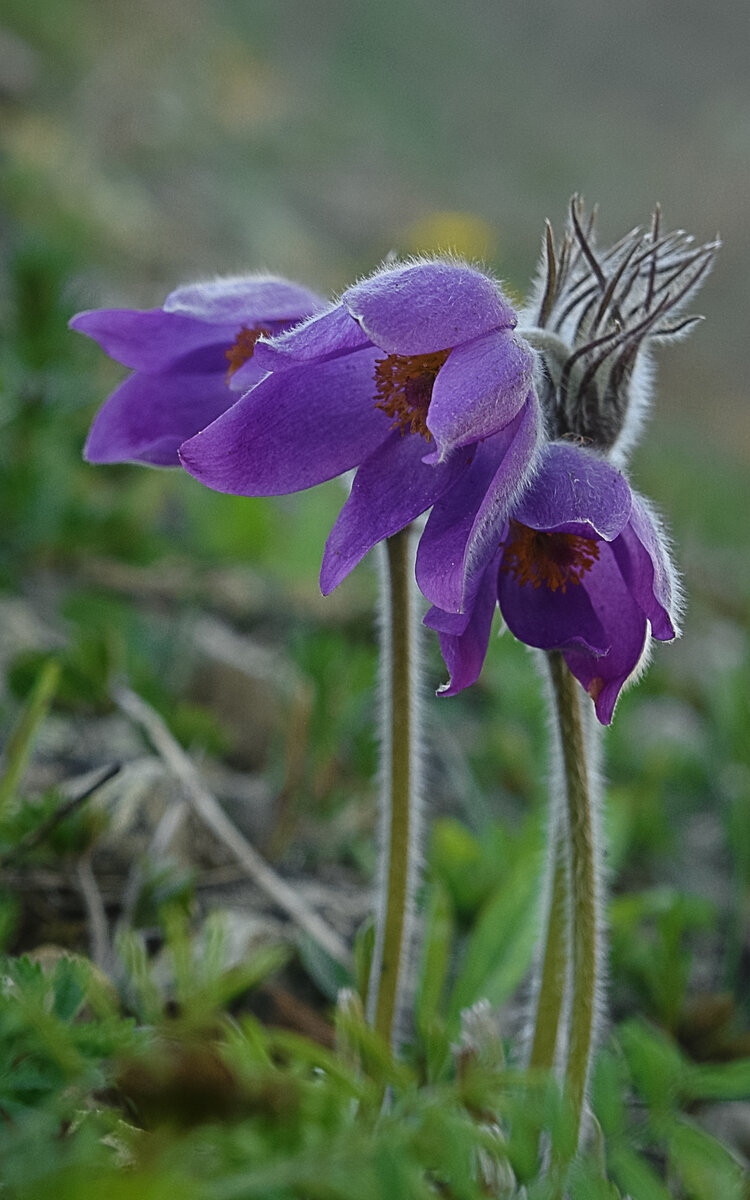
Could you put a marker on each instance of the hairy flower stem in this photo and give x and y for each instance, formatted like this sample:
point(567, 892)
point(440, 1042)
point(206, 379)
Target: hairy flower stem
point(554, 965)
point(399, 789)
point(584, 876)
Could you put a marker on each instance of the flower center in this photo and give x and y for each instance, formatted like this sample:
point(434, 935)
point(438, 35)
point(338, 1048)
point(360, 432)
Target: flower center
point(404, 384)
point(553, 559)
point(244, 347)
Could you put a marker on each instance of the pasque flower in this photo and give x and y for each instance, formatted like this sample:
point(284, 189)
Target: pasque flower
point(190, 358)
point(579, 564)
point(404, 379)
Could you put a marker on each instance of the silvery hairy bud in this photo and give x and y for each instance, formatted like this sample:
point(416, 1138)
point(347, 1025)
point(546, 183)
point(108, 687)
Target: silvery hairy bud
point(592, 315)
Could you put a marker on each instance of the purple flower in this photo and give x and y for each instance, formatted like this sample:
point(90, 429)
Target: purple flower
point(402, 379)
point(578, 565)
point(183, 356)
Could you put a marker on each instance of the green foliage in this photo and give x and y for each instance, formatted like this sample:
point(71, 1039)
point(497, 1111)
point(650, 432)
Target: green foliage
point(342, 745)
point(669, 1085)
point(21, 741)
point(190, 1092)
point(650, 947)
point(53, 1056)
point(222, 1107)
point(109, 638)
point(490, 881)
point(48, 381)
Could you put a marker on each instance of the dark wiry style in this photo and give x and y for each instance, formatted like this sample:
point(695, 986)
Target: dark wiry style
point(592, 312)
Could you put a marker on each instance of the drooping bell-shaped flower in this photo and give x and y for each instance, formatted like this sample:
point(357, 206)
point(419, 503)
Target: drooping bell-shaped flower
point(189, 359)
point(405, 378)
point(579, 565)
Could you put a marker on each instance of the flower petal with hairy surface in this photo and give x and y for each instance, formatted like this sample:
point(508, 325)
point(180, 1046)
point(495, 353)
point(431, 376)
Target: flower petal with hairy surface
point(551, 620)
point(391, 488)
point(576, 492)
point(626, 631)
point(329, 335)
point(646, 569)
point(479, 390)
point(583, 568)
point(297, 428)
point(243, 300)
point(464, 645)
point(418, 356)
point(245, 377)
point(420, 308)
point(464, 530)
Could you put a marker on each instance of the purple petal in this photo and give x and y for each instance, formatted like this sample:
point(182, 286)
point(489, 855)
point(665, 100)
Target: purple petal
point(149, 416)
point(246, 376)
point(575, 492)
point(479, 390)
point(154, 341)
point(296, 428)
point(465, 529)
point(625, 629)
point(424, 307)
point(551, 620)
point(464, 652)
point(644, 563)
point(248, 300)
point(322, 337)
point(390, 489)
point(448, 622)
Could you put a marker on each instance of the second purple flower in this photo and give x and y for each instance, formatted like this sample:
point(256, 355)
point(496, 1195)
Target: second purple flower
point(190, 359)
point(579, 564)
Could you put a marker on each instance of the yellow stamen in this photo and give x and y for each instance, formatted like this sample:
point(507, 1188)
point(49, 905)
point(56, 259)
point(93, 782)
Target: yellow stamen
point(244, 347)
point(404, 384)
point(552, 559)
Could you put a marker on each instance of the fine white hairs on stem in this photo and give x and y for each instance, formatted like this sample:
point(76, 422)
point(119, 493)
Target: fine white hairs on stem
point(399, 792)
point(568, 989)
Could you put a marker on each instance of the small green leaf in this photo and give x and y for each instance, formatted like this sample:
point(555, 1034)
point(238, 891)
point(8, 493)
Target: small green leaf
point(70, 988)
point(719, 1081)
point(325, 972)
point(706, 1167)
point(439, 925)
point(22, 739)
point(501, 946)
point(635, 1176)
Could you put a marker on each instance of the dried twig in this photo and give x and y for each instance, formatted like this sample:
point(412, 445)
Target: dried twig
point(205, 805)
point(168, 827)
point(100, 946)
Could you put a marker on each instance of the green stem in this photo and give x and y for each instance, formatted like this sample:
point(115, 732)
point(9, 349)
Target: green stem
point(549, 1001)
point(399, 796)
point(584, 888)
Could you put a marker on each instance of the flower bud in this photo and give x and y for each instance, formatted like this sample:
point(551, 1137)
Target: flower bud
point(592, 315)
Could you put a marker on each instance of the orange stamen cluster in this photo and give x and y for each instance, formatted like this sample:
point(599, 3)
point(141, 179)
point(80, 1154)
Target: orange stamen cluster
point(550, 559)
point(404, 384)
point(244, 347)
